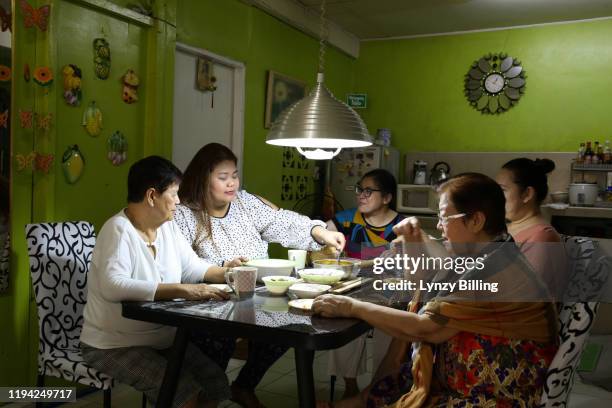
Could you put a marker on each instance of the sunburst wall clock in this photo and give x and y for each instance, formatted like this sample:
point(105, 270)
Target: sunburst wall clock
point(495, 83)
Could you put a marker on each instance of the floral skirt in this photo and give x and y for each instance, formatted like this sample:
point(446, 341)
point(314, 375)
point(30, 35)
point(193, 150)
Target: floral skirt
point(479, 371)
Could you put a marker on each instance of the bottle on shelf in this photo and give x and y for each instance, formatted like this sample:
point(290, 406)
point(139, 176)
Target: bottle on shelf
point(595, 157)
point(588, 153)
point(607, 156)
point(580, 158)
point(600, 153)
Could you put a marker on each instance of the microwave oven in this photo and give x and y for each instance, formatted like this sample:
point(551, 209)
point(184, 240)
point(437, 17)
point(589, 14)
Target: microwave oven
point(417, 199)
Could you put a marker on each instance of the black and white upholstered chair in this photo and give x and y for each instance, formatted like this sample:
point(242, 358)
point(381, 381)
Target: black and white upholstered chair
point(589, 271)
point(60, 254)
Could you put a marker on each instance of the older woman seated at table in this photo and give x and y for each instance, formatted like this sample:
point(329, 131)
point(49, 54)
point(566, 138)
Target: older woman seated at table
point(464, 350)
point(139, 255)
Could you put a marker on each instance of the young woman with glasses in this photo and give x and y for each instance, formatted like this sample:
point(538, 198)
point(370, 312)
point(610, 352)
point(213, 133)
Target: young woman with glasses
point(368, 228)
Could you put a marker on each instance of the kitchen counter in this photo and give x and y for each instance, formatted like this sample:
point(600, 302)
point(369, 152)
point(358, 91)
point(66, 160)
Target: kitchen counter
point(586, 212)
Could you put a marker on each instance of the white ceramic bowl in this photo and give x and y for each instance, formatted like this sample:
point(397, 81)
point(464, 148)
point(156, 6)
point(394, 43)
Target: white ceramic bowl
point(278, 285)
point(271, 267)
point(350, 266)
point(321, 275)
point(308, 290)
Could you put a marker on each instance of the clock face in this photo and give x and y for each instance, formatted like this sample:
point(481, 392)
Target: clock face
point(494, 83)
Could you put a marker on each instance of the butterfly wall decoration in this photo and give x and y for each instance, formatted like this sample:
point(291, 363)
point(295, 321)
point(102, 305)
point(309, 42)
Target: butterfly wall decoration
point(43, 162)
point(43, 122)
point(25, 161)
point(25, 117)
point(34, 161)
point(5, 20)
point(35, 17)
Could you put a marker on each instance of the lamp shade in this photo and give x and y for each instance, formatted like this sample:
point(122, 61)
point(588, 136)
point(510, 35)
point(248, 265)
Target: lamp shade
point(319, 120)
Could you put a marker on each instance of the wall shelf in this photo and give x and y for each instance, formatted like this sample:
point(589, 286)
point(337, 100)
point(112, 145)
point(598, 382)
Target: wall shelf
point(591, 167)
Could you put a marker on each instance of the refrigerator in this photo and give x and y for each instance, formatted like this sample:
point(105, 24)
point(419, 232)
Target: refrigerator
point(350, 165)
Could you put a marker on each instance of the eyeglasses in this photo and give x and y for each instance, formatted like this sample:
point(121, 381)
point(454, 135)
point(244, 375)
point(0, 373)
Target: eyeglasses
point(367, 192)
point(443, 220)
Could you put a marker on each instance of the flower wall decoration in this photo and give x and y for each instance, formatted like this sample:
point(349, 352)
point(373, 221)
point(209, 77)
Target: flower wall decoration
point(495, 83)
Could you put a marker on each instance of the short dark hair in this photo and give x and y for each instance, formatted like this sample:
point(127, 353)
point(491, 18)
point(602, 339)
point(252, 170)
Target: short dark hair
point(531, 173)
point(151, 172)
point(472, 192)
point(385, 182)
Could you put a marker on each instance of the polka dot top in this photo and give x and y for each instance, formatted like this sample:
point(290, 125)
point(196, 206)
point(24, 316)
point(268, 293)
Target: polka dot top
point(246, 230)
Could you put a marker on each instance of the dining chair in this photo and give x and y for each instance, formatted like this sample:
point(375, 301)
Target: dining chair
point(589, 272)
point(60, 254)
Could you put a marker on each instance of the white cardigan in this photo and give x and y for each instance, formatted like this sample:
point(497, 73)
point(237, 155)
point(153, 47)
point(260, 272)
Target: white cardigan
point(123, 268)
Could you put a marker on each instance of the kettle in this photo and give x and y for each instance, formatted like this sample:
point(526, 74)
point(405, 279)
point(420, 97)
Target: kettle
point(439, 173)
point(420, 172)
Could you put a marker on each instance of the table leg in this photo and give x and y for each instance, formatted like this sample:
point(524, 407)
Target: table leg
point(303, 364)
point(173, 369)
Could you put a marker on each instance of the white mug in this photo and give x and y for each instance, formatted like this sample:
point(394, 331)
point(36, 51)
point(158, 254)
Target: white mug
point(298, 256)
point(242, 280)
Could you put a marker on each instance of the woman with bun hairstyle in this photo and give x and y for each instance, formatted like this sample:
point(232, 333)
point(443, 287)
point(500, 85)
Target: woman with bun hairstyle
point(525, 186)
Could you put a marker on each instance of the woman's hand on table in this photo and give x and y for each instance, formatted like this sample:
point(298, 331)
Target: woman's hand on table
point(333, 239)
point(333, 306)
point(202, 291)
point(235, 262)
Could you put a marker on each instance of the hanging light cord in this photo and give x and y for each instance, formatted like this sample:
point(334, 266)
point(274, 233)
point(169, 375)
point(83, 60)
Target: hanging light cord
point(323, 34)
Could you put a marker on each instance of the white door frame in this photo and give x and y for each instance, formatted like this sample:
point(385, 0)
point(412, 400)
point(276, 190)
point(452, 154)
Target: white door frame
point(239, 91)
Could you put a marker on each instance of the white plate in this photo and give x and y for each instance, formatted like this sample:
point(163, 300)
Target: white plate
point(223, 286)
point(308, 290)
point(302, 304)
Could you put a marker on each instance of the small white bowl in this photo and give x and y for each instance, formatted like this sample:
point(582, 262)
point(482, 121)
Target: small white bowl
point(323, 276)
point(278, 285)
point(308, 290)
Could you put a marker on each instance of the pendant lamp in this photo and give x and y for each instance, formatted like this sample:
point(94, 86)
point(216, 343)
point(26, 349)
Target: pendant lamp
point(319, 125)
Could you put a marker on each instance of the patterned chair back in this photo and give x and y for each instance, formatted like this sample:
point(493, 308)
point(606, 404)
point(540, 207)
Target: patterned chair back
point(589, 272)
point(60, 254)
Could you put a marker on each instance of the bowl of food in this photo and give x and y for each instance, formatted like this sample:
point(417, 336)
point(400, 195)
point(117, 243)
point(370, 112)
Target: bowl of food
point(350, 266)
point(278, 284)
point(308, 290)
point(271, 267)
point(321, 275)
point(559, 197)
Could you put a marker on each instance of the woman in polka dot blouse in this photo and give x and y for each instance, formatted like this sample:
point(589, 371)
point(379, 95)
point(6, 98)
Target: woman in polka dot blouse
point(226, 225)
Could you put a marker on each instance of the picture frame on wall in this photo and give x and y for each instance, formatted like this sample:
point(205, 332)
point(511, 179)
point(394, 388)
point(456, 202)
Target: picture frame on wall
point(281, 92)
point(205, 79)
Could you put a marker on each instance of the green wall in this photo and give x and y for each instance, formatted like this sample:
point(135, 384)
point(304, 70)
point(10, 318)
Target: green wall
point(246, 34)
point(100, 192)
point(415, 87)
point(227, 27)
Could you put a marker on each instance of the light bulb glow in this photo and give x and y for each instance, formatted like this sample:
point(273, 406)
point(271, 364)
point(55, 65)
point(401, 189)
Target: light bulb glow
point(319, 154)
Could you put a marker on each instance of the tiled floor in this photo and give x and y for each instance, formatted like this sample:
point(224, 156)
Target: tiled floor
point(278, 388)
